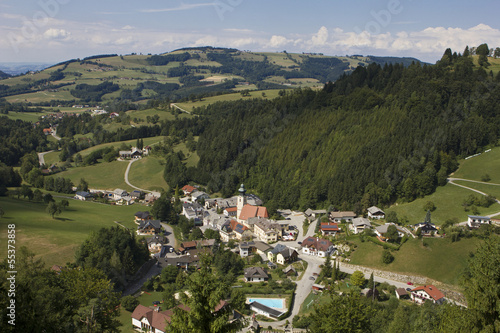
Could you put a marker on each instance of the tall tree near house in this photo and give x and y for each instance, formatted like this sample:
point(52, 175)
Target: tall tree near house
point(482, 284)
point(205, 294)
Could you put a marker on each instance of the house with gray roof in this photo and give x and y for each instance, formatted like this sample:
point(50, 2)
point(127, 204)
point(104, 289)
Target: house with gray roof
point(375, 213)
point(149, 227)
point(359, 224)
point(255, 274)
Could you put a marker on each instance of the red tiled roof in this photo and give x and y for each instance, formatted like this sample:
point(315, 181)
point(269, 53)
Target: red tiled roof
point(231, 209)
point(432, 291)
point(317, 243)
point(249, 211)
point(188, 188)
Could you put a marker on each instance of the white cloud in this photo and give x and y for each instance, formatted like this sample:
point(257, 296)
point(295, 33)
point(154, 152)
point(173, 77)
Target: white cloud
point(54, 33)
point(321, 37)
point(181, 7)
point(279, 41)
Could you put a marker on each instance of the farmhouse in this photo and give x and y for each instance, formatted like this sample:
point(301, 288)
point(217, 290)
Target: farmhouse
point(255, 274)
point(119, 194)
point(149, 320)
point(84, 196)
point(476, 221)
point(375, 213)
point(426, 228)
point(329, 228)
point(359, 224)
point(317, 247)
point(198, 196)
point(313, 214)
point(428, 292)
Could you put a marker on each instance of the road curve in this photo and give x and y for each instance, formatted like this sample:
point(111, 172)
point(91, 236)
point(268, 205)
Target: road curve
point(126, 177)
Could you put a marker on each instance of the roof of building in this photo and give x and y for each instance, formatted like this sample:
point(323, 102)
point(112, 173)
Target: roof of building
point(237, 227)
point(158, 320)
point(231, 209)
point(342, 214)
point(317, 243)
point(278, 248)
point(375, 210)
point(249, 211)
point(479, 217)
point(289, 269)
point(188, 188)
point(432, 291)
point(156, 239)
point(361, 221)
point(401, 292)
point(383, 228)
point(255, 272)
point(329, 226)
point(153, 223)
point(272, 312)
point(142, 215)
point(119, 191)
point(83, 194)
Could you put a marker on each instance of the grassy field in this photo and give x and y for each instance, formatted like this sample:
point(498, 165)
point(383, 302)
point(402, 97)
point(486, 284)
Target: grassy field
point(55, 240)
point(491, 189)
point(103, 176)
point(189, 106)
point(147, 173)
point(486, 163)
point(448, 200)
point(163, 114)
point(25, 116)
point(147, 141)
point(441, 260)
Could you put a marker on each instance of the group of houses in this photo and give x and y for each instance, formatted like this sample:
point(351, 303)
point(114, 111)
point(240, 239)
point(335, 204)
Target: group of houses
point(135, 153)
point(119, 196)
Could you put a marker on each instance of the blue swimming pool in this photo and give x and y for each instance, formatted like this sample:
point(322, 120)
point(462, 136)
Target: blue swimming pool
point(275, 303)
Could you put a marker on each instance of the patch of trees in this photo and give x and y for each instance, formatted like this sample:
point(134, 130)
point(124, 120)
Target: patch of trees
point(115, 251)
point(8, 178)
point(4, 75)
point(88, 93)
point(18, 138)
point(162, 60)
point(74, 300)
point(373, 137)
point(323, 69)
point(100, 56)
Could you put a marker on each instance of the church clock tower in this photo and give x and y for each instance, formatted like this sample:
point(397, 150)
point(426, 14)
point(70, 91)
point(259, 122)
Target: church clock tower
point(242, 200)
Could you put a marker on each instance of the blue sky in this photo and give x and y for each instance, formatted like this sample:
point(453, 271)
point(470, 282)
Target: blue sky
point(57, 30)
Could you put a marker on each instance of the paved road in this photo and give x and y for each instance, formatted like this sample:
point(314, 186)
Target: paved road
point(41, 158)
point(126, 177)
point(179, 108)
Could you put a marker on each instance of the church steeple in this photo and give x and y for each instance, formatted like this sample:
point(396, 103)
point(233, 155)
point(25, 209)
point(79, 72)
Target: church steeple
point(242, 200)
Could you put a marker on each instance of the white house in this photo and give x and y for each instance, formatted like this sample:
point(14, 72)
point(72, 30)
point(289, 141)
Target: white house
point(342, 216)
point(265, 310)
point(255, 274)
point(149, 320)
point(82, 195)
point(119, 194)
point(375, 213)
point(359, 224)
point(476, 221)
point(317, 247)
point(428, 292)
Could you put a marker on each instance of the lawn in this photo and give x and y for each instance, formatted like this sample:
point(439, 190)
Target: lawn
point(448, 200)
point(147, 173)
point(491, 189)
point(116, 145)
point(55, 240)
point(474, 168)
point(103, 176)
point(25, 116)
point(441, 260)
point(163, 114)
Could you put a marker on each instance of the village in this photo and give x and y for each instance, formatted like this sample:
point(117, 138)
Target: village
point(297, 245)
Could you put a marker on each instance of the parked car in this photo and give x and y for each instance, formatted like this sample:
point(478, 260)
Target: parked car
point(409, 283)
point(408, 289)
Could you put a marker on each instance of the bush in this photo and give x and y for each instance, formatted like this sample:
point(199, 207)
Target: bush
point(387, 257)
point(129, 303)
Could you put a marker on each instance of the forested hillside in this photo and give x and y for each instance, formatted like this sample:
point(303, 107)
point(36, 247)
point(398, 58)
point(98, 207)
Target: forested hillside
point(373, 137)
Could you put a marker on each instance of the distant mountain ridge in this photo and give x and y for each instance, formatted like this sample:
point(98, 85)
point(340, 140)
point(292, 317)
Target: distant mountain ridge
point(16, 68)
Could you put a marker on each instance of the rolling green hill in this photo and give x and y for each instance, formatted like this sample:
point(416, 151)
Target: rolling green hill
point(177, 75)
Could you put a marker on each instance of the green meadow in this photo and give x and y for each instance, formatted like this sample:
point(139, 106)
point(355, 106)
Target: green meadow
point(147, 173)
point(55, 240)
point(476, 167)
point(441, 260)
point(189, 106)
point(448, 201)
